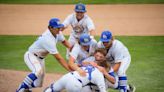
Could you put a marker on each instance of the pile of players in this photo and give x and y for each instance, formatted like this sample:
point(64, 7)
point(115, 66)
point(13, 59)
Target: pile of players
point(92, 66)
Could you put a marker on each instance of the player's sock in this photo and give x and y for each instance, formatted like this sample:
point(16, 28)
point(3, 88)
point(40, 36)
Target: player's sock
point(28, 82)
point(52, 87)
point(123, 84)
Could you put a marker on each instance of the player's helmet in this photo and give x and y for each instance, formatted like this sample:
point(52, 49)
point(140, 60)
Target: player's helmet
point(55, 23)
point(80, 8)
point(85, 39)
point(106, 36)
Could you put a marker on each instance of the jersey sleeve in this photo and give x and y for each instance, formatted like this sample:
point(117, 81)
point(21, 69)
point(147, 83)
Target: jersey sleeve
point(119, 52)
point(90, 24)
point(61, 37)
point(68, 20)
point(75, 51)
point(50, 46)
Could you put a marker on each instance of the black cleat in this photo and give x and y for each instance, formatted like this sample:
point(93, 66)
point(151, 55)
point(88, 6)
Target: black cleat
point(132, 88)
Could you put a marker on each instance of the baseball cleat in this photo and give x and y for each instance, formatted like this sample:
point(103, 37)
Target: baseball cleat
point(27, 90)
point(132, 88)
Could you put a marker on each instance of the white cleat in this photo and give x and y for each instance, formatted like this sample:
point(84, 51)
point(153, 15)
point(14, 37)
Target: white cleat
point(48, 89)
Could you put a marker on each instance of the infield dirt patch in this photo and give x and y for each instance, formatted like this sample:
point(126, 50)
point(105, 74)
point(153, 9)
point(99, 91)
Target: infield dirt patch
point(144, 19)
point(10, 80)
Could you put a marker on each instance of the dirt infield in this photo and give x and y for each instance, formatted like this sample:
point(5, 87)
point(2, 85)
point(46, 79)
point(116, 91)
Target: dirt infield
point(121, 19)
point(10, 80)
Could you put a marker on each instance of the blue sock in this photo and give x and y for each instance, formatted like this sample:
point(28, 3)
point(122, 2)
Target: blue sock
point(28, 82)
point(123, 84)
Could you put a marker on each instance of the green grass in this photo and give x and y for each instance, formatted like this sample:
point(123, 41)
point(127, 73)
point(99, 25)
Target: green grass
point(83, 1)
point(145, 71)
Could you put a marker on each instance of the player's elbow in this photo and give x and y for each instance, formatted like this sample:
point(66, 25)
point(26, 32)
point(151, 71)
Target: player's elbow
point(71, 64)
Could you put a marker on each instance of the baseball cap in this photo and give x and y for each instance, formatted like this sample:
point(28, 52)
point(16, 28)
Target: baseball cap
point(85, 39)
point(80, 8)
point(55, 23)
point(106, 36)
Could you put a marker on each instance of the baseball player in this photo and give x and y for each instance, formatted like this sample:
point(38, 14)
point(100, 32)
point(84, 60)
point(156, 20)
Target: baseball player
point(118, 55)
point(81, 50)
point(80, 23)
point(34, 57)
point(99, 61)
point(73, 82)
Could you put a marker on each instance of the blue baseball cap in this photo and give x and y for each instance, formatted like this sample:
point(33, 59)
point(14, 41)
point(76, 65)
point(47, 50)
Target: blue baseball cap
point(55, 23)
point(85, 39)
point(80, 8)
point(106, 36)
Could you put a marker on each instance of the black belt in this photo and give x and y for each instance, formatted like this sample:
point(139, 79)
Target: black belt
point(77, 78)
point(38, 56)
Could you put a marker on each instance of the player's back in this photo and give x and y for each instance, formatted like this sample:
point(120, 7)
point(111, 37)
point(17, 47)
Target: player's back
point(93, 75)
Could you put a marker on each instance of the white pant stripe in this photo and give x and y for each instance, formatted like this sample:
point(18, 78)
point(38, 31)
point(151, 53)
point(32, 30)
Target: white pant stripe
point(27, 83)
point(30, 80)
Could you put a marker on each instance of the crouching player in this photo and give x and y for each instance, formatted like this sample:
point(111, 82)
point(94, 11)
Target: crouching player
point(73, 82)
point(119, 57)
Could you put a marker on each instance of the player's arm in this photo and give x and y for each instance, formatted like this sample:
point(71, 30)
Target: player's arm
point(92, 32)
point(51, 48)
point(75, 67)
point(91, 27)
point(62, 61)
point(73, 56)
point(116, 66)
point(66, 44)
point(66, 22)
point(72, 63)
point(107, 76)
point(64, 41)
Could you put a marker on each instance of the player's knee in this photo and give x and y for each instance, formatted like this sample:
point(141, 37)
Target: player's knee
point(121, 73)
point(39, 72)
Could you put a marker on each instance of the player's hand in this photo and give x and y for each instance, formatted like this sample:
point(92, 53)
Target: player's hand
point(85, 63)
point(81, 72)
point(101, 69)
point(93, 64)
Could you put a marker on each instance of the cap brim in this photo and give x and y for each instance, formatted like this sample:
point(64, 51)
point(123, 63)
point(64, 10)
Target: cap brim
point(105, 40)
point(59, 26)
point(80, 11)
point(86, 44)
